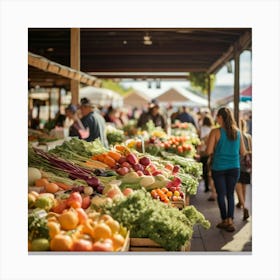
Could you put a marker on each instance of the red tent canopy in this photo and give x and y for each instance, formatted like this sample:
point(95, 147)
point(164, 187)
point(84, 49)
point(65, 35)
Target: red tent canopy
point(247, 91)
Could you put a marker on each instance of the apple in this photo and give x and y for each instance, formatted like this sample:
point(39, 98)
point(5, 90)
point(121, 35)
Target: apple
point(81, 244)
point(152, 168)
point(122, 159)
point(172, 189)
point(147, 172)
point(114, 192)
point(122, 171)
point(105, 246)
point(176, 181)
point(127, 191)
point(145, 161)
point(157, 172)
point(126, 164)
point(176, 169)
point(132, 159)
point(140, 173)
point(138, 167)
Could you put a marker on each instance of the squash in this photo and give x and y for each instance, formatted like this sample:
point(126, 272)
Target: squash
point(33, 175)
point(147, 181)
point(131, 177)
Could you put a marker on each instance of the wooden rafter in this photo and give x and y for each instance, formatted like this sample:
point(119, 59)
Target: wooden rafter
point(47, 65)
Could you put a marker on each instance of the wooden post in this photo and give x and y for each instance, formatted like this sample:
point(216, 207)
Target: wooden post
point(209, 91)
point(75, 63)
point(236, 84)
point(50, 103)
point(59, 98)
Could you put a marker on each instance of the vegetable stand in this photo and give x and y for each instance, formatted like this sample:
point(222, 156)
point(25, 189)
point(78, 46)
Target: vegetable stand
point(95, 198)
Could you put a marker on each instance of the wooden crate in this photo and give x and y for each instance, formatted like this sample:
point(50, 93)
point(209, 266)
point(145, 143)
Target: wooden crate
point(187, 199)
point(180, 204)
point(148, 245)
point(126, 245)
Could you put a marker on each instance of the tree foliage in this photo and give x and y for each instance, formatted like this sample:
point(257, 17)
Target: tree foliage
point(199, 81)
point(114, 86)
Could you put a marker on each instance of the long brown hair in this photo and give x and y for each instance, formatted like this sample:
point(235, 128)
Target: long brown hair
point(229, 122)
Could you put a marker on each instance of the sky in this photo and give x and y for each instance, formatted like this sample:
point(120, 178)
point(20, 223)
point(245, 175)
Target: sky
point(222, 78)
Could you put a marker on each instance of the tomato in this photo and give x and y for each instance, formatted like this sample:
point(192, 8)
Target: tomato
point(60, 207)
point(81, 245)
point(169, 166)
point(75, 200)
point(86, 202)
point(82, 215)
point(180, 149)
point(104, 246)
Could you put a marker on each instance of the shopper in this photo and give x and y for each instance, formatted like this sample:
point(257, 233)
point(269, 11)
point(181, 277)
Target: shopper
point(185, 116)
point(245, 172)
point(206, 127)
point(93, 120)
point(153, 115)
point(225, 146)
point(76, 129)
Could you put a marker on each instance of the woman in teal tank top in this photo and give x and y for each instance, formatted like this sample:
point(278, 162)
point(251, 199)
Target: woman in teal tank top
point(225, 145)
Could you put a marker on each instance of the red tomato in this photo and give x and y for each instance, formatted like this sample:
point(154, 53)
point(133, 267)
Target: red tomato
point(86, 202)
point(81, 245)
point(180, 149)
point(104, 246)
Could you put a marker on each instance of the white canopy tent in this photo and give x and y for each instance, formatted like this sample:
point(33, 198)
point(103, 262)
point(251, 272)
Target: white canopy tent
point(136, 99)
point(101, 96)
point(179, 96)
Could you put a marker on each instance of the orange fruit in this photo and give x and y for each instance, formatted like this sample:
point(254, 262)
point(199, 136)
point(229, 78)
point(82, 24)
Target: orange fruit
point(68, 220)
point(41, 182)
point(114, 225)
point(118, 241)
point(105, 217)
point(82, 215)
point(51, 187)
point(101, 231)
point(54, 228)
point(61, 242)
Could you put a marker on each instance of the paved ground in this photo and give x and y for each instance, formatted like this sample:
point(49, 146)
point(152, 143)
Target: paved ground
point(217, 240)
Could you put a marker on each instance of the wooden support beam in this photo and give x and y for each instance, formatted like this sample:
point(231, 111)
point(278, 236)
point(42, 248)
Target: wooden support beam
point(209, 91)
point(236, 92)
point(75, 63)
point(44, 64)
point(243, 43)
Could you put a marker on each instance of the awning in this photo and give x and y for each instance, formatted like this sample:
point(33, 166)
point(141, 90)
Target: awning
point(47, 65)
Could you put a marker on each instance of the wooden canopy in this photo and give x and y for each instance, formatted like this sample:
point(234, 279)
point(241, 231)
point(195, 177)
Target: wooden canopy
point(116, 51)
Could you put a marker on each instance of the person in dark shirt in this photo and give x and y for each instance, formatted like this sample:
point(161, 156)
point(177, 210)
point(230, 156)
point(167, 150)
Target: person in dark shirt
point(93, 120)
point(153, 115)
point(184, 116)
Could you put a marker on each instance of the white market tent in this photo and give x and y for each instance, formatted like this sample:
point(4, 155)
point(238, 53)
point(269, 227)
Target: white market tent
point(101, 96)
point(136, 99)
point(179, 96)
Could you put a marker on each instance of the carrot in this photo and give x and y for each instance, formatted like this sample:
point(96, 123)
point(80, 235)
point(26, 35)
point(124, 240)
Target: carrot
point(109, 161)
point(122, 149)
point(115, 155)
point(62, 185)
point(100, 157)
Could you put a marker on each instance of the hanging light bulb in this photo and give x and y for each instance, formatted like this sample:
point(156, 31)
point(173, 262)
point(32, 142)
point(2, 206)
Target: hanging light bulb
point(147, 40)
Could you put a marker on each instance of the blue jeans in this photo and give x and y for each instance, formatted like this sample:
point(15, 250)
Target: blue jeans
point(225, 181)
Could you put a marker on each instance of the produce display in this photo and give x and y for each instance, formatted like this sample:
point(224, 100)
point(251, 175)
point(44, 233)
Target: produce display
point(78, 185)
point(149, 218)
point(114, 135)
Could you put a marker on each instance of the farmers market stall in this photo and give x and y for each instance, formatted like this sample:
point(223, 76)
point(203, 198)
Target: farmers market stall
point(84, 197)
